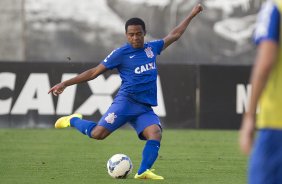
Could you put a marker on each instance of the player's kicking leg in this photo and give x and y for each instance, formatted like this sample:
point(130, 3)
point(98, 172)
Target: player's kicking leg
point(76, 121)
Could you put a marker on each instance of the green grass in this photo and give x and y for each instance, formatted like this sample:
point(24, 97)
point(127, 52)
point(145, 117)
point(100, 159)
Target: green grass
point(45, 156)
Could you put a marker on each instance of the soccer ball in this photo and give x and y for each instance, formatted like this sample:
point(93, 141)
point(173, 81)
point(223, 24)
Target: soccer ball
point(119, 166)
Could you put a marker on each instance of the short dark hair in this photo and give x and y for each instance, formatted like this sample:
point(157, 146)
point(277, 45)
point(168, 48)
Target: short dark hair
point(135, 21)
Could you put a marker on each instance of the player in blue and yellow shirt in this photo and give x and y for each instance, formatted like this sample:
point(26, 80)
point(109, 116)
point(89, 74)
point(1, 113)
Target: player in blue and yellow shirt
point(136, 64)
point(265, 165)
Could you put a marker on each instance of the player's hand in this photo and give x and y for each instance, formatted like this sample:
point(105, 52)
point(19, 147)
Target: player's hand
point(246, 135)
point(57, 89)
point(197, 9)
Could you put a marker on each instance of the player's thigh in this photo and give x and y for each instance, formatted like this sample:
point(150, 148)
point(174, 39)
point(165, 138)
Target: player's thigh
point(112, 122)
point(145, 120)
point(115, 117)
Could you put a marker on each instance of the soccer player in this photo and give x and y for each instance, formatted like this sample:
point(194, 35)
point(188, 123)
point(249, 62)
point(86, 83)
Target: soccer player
point(136, 64)
point(265, 165)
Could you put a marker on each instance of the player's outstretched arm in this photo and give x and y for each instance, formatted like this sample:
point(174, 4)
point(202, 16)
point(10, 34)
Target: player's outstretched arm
point(176, 33)
point(83, 77)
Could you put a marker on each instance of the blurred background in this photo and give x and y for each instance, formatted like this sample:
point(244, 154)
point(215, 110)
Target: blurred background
point(210, 63)
point(86, 31)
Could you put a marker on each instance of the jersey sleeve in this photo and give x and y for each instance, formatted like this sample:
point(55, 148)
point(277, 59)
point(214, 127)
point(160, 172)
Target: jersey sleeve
point(268, 23)
point(157, 45)
point(113, 60)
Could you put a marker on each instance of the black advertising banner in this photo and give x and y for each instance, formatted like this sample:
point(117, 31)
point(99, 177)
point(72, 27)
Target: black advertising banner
point(179, 89)
point(24, 101)
point(224, 91)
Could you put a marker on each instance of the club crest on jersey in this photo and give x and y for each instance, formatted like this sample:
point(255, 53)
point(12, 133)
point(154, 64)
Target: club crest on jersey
point(149, 52)
point(111, 118)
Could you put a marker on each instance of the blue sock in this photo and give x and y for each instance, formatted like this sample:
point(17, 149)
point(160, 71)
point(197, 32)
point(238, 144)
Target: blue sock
point(84, 126)
point(149, 156)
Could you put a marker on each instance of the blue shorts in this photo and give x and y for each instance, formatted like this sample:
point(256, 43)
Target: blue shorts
point(265, 166)
point(125, 110)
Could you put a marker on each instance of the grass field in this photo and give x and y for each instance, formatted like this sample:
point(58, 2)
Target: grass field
point(34, 156)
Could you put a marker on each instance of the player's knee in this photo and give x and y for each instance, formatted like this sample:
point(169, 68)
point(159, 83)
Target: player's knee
point(158, 134)
point(153, 133)
point(98, 136)
point(99, 133)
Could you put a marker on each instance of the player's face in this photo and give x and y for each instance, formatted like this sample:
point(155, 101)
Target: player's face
point(135, 36)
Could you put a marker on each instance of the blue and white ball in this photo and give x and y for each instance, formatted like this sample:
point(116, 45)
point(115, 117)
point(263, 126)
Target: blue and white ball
point(119, 166)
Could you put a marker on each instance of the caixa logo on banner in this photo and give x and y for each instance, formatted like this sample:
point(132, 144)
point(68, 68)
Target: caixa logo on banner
point(33, 96)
